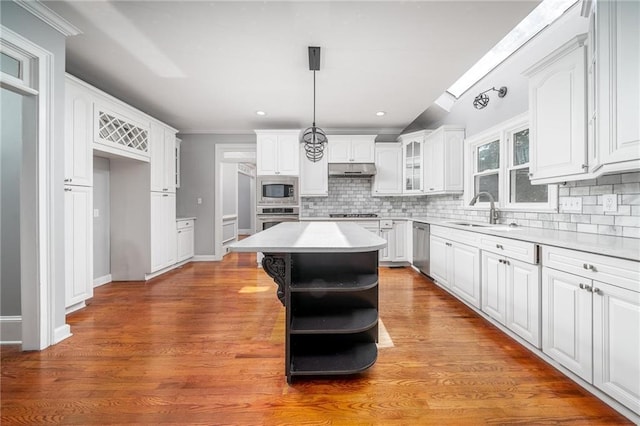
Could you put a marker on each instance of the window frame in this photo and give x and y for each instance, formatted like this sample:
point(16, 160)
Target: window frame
point(25, 80)
point(503, 132)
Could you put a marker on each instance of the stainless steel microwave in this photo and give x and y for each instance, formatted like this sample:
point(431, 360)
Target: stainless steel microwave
point(278, 190)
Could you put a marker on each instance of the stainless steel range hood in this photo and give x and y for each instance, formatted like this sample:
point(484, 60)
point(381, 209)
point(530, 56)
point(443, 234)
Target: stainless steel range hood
point(352, 169)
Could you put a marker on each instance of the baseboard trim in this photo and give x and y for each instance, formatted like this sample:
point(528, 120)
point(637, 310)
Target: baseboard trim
point(245, 232)
point(204, 258)
point(11, 330)
point(105, 279)
point(61, 333)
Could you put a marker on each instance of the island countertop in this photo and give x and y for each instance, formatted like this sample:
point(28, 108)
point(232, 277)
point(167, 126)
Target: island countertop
point(311, 237)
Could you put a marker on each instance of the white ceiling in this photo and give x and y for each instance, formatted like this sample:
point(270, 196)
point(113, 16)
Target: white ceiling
point(205, 66)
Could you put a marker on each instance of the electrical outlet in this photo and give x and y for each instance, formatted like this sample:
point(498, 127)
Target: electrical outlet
point(96, 213)
point(610, 203)
point(571, 204)
point(199, 200)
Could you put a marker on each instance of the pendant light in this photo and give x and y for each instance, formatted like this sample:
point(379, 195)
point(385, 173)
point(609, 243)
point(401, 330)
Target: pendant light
point(314, 138)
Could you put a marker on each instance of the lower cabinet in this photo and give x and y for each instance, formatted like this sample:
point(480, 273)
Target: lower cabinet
point(78, 241)
point(456, 266)
point(163, 235)
point(592, 327)
point(511, 294)
point(395, 232)
point(185, 231)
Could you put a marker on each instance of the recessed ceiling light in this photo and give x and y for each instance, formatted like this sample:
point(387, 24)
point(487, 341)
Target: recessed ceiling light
point(261, 113)
point(380, 113)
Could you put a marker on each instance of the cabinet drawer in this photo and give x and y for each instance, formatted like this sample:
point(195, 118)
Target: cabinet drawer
point(465, 237)
point(515, 249)
point(619, 272)
point(184, 224)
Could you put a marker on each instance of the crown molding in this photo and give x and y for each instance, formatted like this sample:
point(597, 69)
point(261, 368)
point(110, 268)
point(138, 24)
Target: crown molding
point(48, 16)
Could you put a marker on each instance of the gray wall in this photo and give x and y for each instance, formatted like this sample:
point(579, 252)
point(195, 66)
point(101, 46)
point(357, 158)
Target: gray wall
point(244, 201)
point(32, 28)
point(229, 189)
point(102, 223)
point(10, 162)
point(197, 162)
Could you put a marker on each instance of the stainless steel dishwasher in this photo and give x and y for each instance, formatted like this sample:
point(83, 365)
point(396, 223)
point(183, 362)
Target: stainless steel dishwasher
point(421, 247)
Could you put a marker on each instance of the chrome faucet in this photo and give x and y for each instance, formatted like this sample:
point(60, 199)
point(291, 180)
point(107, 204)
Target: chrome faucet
point(493, 213)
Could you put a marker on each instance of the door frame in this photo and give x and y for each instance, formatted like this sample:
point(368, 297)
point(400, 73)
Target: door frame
point(219, 157)
point(37, 191)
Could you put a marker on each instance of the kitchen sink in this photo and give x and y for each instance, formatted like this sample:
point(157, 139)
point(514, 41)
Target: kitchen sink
point(487, 225)
point(478, 225)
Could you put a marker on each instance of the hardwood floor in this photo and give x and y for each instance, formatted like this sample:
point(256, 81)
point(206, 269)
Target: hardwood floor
point(204, 344)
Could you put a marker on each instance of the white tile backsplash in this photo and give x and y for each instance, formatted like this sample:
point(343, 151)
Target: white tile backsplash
point(349, 195)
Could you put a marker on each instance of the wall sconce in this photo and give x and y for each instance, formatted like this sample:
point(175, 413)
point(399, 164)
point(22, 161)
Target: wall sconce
point(482, 100)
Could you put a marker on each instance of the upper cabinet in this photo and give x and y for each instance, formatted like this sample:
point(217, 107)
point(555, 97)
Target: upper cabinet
point(557, 106)
point(351, 149)
point(617, 84)
point(78, 150)
point(117, 130)
point(584, 100)
point(314, 176)
point(412, 156)
point(388, 177)
point(277, 152)
point(163, 158)
point(443, 161)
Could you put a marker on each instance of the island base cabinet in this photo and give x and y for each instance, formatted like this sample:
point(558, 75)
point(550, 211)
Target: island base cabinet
point(332, 313)
point(566, 321)
point(616, 353)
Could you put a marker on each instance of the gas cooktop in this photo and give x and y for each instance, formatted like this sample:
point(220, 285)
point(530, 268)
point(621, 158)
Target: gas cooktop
point(353, 215)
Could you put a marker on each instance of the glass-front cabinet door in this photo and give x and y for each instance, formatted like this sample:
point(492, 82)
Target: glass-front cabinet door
point(413, 166)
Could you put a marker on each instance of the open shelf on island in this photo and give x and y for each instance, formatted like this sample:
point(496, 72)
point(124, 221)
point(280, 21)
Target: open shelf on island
point(334, 321)
point(330, 360)
point(334, 282)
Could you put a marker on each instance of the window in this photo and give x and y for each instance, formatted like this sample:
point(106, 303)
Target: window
point(15, 66)
point(498, 163)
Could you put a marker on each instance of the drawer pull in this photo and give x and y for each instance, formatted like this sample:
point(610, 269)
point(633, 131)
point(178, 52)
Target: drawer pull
point(586, 287)
point(68, 189)
point(588, 266)
point(499, 246)
point(506, 262)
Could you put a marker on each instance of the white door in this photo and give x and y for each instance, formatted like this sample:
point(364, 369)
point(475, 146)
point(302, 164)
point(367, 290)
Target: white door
point(158, 228)
point(266, 154)
point(566, 321)
point(169, 147)
point(399, 241)
point(169, 210)
point(362, 149)
point(288, 155)
point(78, 150)
point(185, 243)
point(616, 343)
point(523, 300)
point(434, 163)
point(339, 148)
point(465, 273)
point(157, 159)
point(314, 176)
point(494, 286)
point(385, 253)
point(388, 178)
point(78, 204)
point(439, 253)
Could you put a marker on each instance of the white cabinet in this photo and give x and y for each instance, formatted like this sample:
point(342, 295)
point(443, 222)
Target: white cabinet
point(78, 149)
point(314, 176)
point(511, 294)
point(351, 148)
point(277, 153)
point(163, 227)
point(456, 266)
point(617, 86)
point(185, 230)
point(443, 161)
point(395, 232)
point(412, 156)
point(388, 177)
point(163, 158)
point(557, 109)
point(78, 241)
point(591, 319)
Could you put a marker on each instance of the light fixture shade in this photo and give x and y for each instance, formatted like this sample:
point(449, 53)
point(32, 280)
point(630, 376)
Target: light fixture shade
point(314, 140)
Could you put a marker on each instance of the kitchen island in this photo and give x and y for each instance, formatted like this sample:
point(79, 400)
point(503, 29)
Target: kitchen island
point(327, 277)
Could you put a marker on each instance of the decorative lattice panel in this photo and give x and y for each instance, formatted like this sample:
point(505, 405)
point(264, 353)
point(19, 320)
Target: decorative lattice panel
point(120, 132)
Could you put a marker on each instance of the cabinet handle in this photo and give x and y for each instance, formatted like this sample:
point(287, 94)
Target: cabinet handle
point(588, 266)
point(585, 167)
point(499, 246)
point(597, 290)
point(165, 189)
point(431, 189)
point(506, 262)
point(67, 180)
point(179, 232)
point(585, 287)
point(165, 195)
point(530, 175)
point(68, 189)
point(277, 173)
point(499, 260)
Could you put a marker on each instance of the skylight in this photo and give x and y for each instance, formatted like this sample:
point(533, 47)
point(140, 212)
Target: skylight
point(546, 12)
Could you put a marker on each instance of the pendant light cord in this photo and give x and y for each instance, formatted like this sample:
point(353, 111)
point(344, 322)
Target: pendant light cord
point(314, 98)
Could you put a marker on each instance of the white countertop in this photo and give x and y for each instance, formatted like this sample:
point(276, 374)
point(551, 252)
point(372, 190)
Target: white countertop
point(608, 245)
point(311, 237)
point(178, 219)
